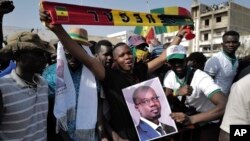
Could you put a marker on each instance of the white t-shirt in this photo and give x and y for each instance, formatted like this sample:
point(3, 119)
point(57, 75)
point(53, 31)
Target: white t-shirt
point(223, 68)
point(203, 89)
point(238, 105)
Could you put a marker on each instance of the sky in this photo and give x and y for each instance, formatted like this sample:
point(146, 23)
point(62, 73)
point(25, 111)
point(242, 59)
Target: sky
point(26, 14)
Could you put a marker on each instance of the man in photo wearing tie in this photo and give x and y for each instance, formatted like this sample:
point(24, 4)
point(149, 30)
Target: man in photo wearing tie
point(147, 103)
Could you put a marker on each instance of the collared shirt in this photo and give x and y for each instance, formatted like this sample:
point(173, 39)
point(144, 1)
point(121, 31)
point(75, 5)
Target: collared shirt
point(223, 68)
point(203, 86)
point(26, 108)
point(153, 125)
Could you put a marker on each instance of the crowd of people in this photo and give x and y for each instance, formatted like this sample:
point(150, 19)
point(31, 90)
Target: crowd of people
point(70, 89)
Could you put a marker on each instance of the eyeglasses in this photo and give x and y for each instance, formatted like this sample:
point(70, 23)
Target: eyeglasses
point(147, 101)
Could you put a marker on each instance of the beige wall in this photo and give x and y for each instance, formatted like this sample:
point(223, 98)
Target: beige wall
point(232, 17)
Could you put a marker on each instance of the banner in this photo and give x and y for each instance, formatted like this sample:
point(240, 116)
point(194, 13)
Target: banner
point(62, 13)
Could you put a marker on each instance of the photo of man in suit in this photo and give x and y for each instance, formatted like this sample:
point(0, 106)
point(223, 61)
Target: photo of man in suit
point(147, 103)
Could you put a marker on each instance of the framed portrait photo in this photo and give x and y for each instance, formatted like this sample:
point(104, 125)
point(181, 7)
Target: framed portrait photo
point(150, 110)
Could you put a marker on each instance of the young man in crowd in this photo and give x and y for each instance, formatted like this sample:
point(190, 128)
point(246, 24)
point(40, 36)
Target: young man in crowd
point(103, 52)
point(196, 60)
point(139, 47)
point(200, 92)
point(83, 127)
point(223, 65)
point(23, 92)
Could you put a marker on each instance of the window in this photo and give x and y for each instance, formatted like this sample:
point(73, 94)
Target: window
point(206, 49)
point(218, 19)
point(205, 36)
point(218, 33)
point(207, 22)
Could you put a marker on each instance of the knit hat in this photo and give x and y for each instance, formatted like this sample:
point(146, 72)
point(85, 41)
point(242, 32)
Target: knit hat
point(80, 35)
point(28, 41)
point(176, 52)
point(135, 40)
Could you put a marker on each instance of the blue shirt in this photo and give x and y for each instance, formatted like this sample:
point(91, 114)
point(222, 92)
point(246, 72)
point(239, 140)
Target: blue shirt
point(8, 70)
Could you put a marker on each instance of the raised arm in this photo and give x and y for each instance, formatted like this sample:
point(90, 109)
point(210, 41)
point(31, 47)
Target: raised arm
point(5, 8)
point(159, 61)
point(76, 50)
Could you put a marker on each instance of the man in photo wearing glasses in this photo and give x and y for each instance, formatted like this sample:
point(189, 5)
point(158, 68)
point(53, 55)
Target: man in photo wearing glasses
point(148, 105)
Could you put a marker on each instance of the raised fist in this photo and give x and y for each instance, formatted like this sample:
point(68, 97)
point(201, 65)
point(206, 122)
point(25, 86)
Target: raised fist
point(6, 6)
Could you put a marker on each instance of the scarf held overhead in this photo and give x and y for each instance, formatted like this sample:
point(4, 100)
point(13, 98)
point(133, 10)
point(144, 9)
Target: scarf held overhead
point(65, 101)
point(62, 13)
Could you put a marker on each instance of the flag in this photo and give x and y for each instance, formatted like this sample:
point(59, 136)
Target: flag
point(145, 31)
point(61, 13)
point(150, 35)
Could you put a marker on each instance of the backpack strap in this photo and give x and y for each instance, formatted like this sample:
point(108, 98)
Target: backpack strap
point(189, 79)
point(190, 76)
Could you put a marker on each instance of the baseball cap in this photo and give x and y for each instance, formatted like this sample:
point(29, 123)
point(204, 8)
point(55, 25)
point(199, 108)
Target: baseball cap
point(176, 52)
point(28, 41)
point(135, 40)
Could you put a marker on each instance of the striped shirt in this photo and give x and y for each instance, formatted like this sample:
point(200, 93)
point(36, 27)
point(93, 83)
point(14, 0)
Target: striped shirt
point(25, 109)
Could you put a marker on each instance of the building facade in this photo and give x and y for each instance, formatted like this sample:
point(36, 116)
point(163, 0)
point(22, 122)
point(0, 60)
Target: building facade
point(211, 22)
point(120, 36)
